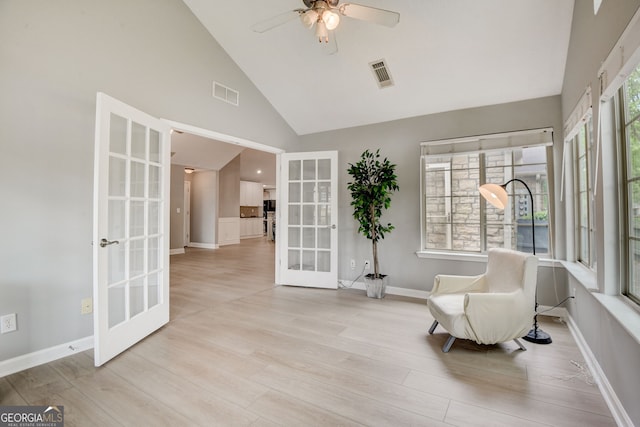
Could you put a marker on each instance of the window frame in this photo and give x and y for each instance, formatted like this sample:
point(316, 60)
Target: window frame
point(586, 129)
point(485, 144)
point(624, 122)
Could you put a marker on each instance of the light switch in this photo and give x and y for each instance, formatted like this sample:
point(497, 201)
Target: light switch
point(178, 210)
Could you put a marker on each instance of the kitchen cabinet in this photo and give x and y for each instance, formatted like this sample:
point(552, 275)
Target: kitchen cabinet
point(250, 193)
point(251, 227)
point(228, 231)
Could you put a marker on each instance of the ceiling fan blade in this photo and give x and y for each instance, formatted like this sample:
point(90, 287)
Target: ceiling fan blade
point(276, 21)
point(387, 18)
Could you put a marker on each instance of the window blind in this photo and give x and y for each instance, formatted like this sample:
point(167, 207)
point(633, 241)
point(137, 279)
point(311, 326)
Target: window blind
point(622, 60)
point(579, 116)
point(491, 142)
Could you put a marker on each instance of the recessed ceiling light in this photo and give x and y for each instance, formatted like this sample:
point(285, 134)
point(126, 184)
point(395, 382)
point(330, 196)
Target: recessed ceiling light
point(259, 171)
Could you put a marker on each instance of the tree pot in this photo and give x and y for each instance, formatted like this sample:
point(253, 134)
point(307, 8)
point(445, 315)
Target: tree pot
point(375, 287)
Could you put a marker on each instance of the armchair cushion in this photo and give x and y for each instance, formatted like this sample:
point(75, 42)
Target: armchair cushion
point(450, 310)
point(445, 284)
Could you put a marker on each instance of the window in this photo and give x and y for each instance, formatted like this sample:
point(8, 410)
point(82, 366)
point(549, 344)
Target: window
point(630, 156)
point(584, 195)
point(456, 218)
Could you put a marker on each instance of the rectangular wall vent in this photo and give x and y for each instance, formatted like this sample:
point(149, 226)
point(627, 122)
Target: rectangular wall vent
point(381, 73)
point(226, 94)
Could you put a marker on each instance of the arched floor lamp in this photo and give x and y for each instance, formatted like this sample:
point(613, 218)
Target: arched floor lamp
point(497, 196)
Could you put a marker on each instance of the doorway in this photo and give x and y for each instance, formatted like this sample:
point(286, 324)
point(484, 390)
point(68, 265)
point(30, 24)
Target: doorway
point(207, 169)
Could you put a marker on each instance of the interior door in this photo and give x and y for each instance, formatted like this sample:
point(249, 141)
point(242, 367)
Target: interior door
point(131, 227)
point(307, 222)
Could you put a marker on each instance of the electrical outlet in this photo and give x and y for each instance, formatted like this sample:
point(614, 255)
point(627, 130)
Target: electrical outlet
point(366, 264)
point(8, 323)
point(353, 264)
point(86, 306)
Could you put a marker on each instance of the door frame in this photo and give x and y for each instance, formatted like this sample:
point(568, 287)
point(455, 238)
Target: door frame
point(242, 142)
point(186, 207)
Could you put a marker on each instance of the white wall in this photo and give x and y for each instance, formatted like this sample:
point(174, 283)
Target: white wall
point(54, 57)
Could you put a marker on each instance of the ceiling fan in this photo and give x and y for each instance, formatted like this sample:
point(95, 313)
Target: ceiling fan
point(325, 15)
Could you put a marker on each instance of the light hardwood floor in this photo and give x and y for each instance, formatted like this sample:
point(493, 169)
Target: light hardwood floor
point(239, 351)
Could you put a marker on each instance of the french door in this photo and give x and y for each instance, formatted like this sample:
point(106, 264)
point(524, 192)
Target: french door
point(307, 222)
point(131, 227)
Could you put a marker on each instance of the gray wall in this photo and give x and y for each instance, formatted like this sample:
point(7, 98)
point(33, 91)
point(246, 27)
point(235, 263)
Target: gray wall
point(55, 56)
point(400, 141)
point(230, 189)
point(617, 351)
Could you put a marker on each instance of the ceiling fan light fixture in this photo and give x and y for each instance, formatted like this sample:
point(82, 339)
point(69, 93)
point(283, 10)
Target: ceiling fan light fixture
point(309, 18)
point(321, 32)
point(330, 19)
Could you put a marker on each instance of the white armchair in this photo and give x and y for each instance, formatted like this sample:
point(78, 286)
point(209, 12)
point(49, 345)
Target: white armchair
point(493, 307)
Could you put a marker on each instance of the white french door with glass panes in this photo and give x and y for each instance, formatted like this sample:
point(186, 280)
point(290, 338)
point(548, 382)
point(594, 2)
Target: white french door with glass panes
point(307, 221)
point(131, 227)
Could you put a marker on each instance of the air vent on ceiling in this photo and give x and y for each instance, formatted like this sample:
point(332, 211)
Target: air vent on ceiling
point(226, 94)
point(381, 72)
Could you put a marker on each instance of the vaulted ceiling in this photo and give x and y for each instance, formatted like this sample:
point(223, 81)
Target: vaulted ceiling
point(443, 55)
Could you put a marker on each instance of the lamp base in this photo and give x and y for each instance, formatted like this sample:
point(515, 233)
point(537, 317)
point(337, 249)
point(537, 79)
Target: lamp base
point(538, 336)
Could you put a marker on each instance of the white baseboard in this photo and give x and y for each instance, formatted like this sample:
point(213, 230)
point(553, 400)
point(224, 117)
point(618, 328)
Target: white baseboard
point(203, 245)
point(176, 251)
point(545, 310)
point(391, 290)
point(230, 242)
point(615, 406)
point(46, 355)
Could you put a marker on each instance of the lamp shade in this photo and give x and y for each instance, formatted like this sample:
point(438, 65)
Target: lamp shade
point(494, 194)
point(309, 18)
point(331, 19)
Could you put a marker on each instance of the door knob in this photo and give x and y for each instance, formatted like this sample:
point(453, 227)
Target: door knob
point(105, 242)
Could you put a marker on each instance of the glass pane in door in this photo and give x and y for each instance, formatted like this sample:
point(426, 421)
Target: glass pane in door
point(309, 219)
point(324, 261)
point(153, 288)
point(136, 296)
point(117, 305)
point(138, 141)
point(118, 134)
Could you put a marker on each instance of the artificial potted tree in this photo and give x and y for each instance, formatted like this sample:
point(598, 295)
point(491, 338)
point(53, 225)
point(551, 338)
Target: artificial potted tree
point(373, 182)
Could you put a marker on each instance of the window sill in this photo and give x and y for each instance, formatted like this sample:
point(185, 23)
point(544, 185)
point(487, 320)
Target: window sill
point(623, 310)
point(475, 257)
point(582, 274)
